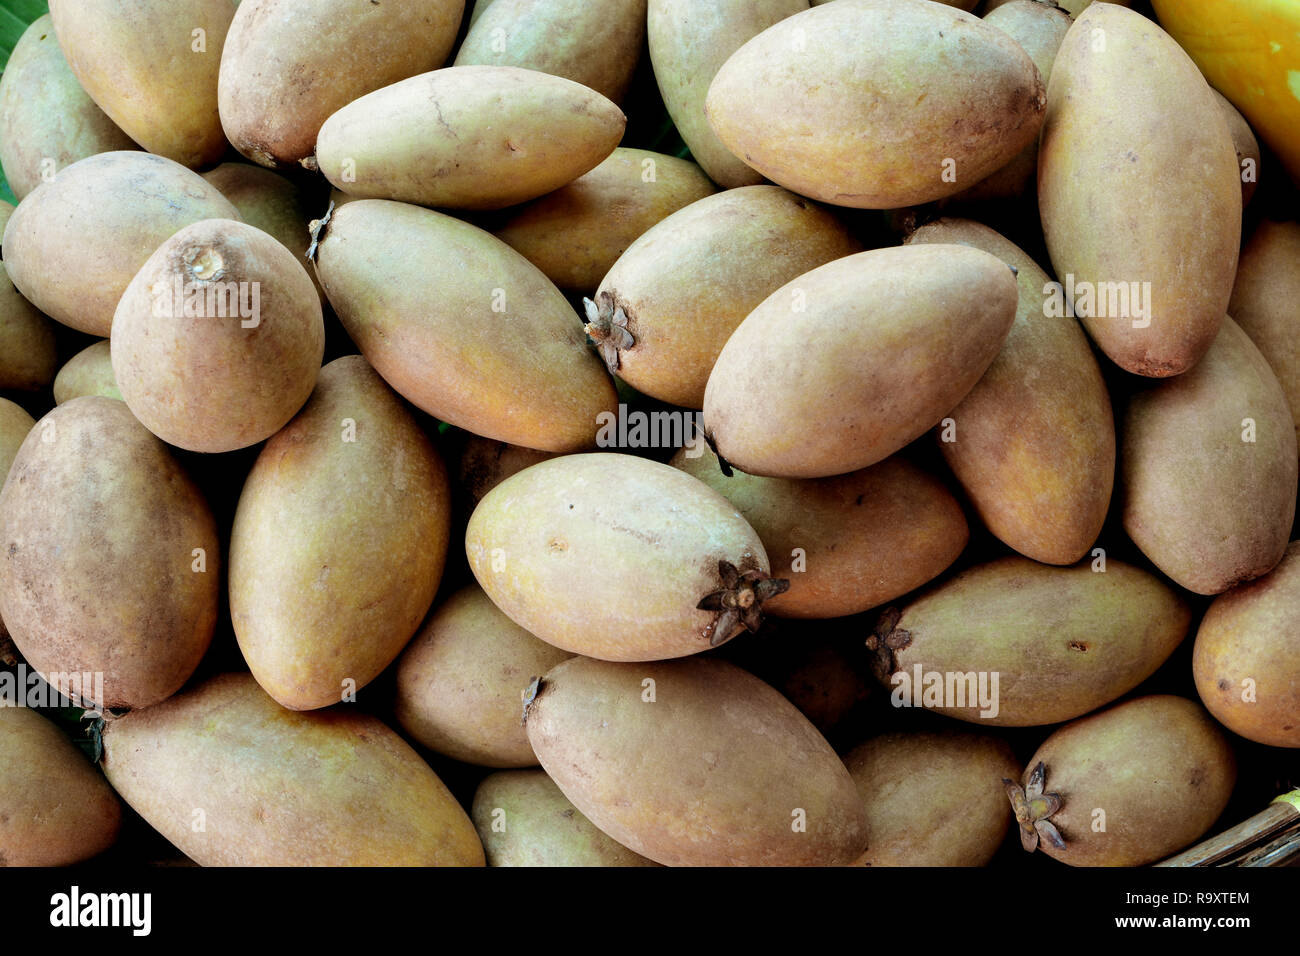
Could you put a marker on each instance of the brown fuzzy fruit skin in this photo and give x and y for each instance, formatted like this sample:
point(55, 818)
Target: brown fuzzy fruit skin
point(45, 115)
point(498, 136)
point(577, 233)
point(1252, 633)
point(524, 375)
point(55, 808)
point(1040, 28)
point(1117, 121)
point(688, 282)
point(99, 529)
point(608, 555)
point(704, 766)
point(1063, 641)
point(216, 382)
point(1267, 284)
point(138, 60)
point(1209, 508)
point(595, 44)
point(933, 799)
point(1158, 767)
point(339, 541)
point(845, 365)
point(89, 372)
point(28, 350)
point(281, 788)
point(289, 64)
point(74, 245)
point(864, 538)
point(878, 125)
point(460, 678)
point(1246, 147)
point(689, 41)
point(272, 203)
point(536, 825)
point(1035, 437)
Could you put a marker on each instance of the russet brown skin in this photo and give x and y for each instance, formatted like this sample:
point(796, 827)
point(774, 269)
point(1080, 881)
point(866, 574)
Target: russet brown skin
point(339, 541)
point(469, 137)
point(933, 799)
point(98, 532)
point(28, 350)
point(609, 555)
point(867, 537)
point(595, 44)
point(458, 682)
point(45, 114)
point(1209, 508)
point(577, 233)
point(74, 245)
point(524, 375)
point(689, 41)
point(15, 424)
point(688, 282)
point(136, 59)
point(1247, 148)
point(1117, 122)
point(1268, 282)
point(288, 65)
point(1158, 767)
point(55, 807)
point(711, 772)
point(936, 101)
point(846, 364)
point(1252, 634)
point(542, 828)
point(211, 382)
point(274, 787)
point(1064, 641)
point(484, 463)
point(89, 372)
point(1035, 438)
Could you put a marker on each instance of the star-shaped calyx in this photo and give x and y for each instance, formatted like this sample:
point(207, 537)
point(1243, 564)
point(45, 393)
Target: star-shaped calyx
point(1033, 809)
point(739, 600)
point(607, 325)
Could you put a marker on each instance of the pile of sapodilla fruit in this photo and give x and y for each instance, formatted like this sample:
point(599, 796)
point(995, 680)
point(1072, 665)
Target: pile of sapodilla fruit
point(871, 406)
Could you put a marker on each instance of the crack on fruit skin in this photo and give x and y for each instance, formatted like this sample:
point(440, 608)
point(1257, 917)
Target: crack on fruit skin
point(528, 695)
point(606, 324)
point(1034, 809)
point(318, 228)
point(739, 601)
point(885, 641)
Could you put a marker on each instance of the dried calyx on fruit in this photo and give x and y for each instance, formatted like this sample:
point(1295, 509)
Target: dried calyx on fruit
point(739, 600)
point(607, 325)
point(887, 638)
point(1034, 809)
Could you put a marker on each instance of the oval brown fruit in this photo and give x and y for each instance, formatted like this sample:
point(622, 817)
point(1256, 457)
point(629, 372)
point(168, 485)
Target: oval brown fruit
point(459, 682)
point(695, 763)
point(845, 365)
point(618, 558)
point(847, 543)
point(1016, 643)
point(111, 558)
point(1033, 443)
point(933, 799)
point(55, 808)
point(1156, 771)
point(1208, 468)
point(1126, 106)
point(282, 788)
point(28, 350)
point(339, 541)
point(1247, 658)
point(89, 372)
